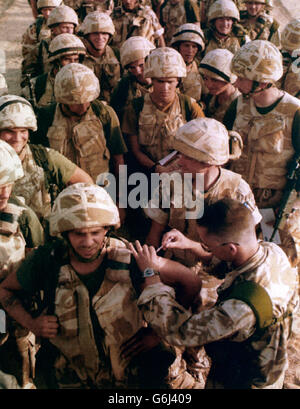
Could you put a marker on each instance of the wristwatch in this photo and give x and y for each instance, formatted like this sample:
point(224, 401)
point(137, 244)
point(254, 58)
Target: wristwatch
point(149, 272)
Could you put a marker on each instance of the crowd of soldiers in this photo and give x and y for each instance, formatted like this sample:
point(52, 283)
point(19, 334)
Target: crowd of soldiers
point(98, 296)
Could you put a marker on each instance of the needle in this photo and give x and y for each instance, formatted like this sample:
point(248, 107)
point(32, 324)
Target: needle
point(168, 241)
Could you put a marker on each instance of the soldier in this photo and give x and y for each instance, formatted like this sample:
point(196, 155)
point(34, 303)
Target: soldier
point(45, 170)
point(150, 122)
point(3, 85)
point(290, 41)
point(34, 34)
point(133, 84)
point(92, 269)
point(79, 126)
point(203, 144)
point(204, 6)
point(133, 19)
point(63, 49)
point(246, 332)
point(219, 81)
point(259, 24)
point(62, 19)
point(20, 233)
point(224, 30)
point(175, 13)
point(268, 120)
point(188, 40)
point(98, 30)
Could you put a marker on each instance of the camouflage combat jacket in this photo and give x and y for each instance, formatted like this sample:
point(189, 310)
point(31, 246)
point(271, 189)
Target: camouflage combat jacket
point(140, 22)
point(264, 28)
point(249, 353)
point(107, 70)
point(291, 81)
point(31, 39)
point(174, 13)
point(232, 42)
point(213, 109)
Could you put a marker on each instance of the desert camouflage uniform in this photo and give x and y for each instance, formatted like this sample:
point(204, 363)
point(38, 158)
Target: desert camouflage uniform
point(263, 356)
point(264, 28)
point(175, 13)
point(20, 231)
point(234, 40)
point(88, 6)
point(141, 22)
point(30, 43)
point(213, 109)
point(107, 70)
point(34, 186)
point(267, 151)
point(291, 83)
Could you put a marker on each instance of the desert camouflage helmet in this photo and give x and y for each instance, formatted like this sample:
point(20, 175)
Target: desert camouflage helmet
point(290, 36)
point(223, 8)
point(258, 60)
point(16, 112)
point(48, 3)
point(65, 44)
point(76, 84)
point(10, 164)
point(217, 64)
point(83, 205)
point(257, 1)
point(62, 14)
point(135, 48)
point(164, 62)
point(3, 85)
point(206, 140)
point(189, 32)
point(97, 22)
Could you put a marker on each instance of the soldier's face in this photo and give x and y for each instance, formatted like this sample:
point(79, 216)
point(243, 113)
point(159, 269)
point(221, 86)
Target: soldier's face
point(188, 50)
point(243, 85)
point(164, 89)
point(190, 165)
point(5, 192)
point(87, 242)
point(99, 40)
point(254, 8)
point(17, 138)
point(214, 86)
point(63, 28)
point(46, 11)
point(224, 25)
point(136, 68)
point(78, 109)
point(68, 59)
point(129, 4)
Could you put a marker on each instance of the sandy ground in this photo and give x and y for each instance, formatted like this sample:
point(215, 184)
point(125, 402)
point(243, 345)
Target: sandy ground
point(16, 16)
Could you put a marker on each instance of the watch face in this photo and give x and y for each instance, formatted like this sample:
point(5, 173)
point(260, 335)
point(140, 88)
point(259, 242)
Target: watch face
point(148, 272)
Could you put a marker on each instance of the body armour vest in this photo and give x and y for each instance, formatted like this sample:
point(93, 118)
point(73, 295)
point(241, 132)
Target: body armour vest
point(82, 142)
point(192, 84)
point(231, 43)
point(267, 142)
point(47, 93)
point(32, 186)
point(107, 70)
point(291, 82)
point(137, 23)
point(12, 242)
point(117, 313)
point(157, 129)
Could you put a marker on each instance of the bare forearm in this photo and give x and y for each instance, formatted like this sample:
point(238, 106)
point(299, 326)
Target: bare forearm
point(14, 308)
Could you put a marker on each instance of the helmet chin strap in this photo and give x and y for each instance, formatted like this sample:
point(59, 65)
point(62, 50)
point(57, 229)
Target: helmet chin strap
point(255, 90)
